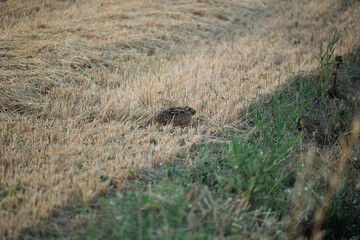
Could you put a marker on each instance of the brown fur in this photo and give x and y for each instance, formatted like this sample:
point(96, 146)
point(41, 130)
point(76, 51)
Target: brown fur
point(177, 116)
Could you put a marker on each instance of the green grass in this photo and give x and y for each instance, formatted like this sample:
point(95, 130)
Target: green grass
point(195, 202)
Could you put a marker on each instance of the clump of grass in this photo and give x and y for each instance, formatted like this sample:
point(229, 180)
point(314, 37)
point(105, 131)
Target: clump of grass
point(325, 57)
point(170, 210)
point(257, 162)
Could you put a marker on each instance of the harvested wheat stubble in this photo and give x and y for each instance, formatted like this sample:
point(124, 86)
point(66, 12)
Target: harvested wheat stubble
point(78, 84)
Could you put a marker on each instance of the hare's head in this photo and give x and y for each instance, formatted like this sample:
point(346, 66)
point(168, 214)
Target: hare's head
point(189, 110)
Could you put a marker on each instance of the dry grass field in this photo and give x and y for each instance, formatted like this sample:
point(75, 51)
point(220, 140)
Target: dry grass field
point(80, 79)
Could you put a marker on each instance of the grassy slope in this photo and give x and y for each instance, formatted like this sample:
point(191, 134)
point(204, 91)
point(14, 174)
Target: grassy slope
point(77, 85)
point(210, 198)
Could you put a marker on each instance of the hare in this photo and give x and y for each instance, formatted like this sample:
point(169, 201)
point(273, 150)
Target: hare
point(177, 116)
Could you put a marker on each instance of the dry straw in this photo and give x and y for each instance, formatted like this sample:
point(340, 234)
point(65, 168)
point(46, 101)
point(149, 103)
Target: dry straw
point(78, 81)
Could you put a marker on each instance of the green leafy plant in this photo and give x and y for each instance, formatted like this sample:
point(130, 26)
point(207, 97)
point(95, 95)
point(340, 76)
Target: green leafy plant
point(259, 165)
point(325, 56)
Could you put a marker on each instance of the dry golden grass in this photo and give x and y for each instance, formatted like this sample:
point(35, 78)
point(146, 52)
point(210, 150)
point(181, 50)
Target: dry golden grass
point(13, 12)
point(78, 81)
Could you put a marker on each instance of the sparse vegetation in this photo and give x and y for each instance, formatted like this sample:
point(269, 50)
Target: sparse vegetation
point(79, 80)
